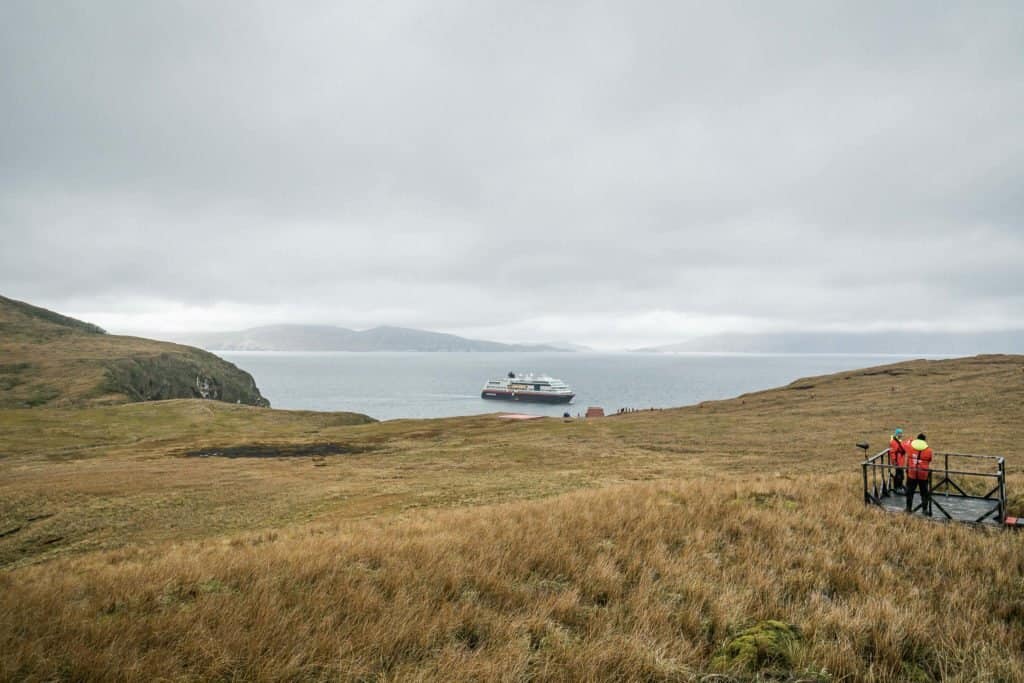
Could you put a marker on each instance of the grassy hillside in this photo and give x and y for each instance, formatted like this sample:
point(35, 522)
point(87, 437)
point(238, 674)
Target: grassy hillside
point(632, 547)
point(50, 359)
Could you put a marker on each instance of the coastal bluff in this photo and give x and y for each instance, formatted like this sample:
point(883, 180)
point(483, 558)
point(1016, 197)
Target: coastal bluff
point(50, 359)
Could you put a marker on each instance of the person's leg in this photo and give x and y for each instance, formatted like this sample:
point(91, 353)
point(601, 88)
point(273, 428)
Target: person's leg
point(899, 478)
point(910, 494)
point(925, 497)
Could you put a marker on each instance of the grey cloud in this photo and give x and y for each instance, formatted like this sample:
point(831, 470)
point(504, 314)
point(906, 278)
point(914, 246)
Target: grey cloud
point(462, 164)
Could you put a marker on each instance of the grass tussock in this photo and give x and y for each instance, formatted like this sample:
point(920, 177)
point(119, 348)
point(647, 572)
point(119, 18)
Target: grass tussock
point(641, 582)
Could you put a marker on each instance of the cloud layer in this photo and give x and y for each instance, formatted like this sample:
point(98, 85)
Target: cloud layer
point(615, 173)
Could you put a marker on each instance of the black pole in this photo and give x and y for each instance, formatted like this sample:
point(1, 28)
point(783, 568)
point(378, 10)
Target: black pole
point(1002, 490)
point(864, 469)
point(928, 511)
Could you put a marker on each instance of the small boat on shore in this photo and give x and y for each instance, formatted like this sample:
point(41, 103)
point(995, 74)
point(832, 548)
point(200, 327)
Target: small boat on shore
point(528, 388)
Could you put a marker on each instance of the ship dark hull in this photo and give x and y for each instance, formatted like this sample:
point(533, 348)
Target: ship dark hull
point(526, 397)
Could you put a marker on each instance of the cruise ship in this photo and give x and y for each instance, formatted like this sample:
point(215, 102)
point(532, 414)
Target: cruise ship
point(532, 388)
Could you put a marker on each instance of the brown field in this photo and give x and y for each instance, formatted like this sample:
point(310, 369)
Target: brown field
point(625, 548)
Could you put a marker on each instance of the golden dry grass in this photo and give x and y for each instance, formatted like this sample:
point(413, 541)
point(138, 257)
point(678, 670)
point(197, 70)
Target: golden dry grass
point(639, 582)
point(419, 558)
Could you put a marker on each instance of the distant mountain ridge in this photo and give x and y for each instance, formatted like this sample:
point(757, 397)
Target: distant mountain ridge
point(896, 342)
point(565, 346)
point(331, 338)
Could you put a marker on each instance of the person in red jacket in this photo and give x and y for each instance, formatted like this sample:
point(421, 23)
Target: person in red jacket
point(898, 457)
point(919, 458)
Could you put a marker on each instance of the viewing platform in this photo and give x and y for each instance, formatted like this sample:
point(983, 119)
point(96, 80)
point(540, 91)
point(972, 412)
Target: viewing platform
point(964, 488)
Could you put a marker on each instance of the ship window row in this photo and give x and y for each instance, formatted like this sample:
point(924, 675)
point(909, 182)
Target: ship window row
point(525, 385)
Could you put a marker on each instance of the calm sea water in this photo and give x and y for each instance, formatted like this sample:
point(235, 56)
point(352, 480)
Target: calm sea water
point(397, 385)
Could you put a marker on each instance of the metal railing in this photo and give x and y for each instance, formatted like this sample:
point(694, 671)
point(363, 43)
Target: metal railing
point(971, 477)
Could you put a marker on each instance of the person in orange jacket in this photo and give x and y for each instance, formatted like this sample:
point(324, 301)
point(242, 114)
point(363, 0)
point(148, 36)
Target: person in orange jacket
point(898, 457)
point(919, 458)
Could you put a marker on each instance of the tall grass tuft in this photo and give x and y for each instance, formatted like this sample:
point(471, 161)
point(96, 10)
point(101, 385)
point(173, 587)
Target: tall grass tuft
point(636, 582)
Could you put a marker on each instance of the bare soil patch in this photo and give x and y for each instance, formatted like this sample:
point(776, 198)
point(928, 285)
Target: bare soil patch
point(262, 450)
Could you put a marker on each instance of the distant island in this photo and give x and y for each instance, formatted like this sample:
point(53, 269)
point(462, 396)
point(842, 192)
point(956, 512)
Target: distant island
point(896, 342)
point(332, 338)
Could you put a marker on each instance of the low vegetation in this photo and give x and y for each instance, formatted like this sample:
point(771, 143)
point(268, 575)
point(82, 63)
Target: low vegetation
point(640, 582)
point(724, 541)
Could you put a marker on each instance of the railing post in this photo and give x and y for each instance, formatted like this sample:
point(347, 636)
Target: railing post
point(1002, 490)
point(927, 509)
point(885, 475)
point(864, 470)
point(946, 477)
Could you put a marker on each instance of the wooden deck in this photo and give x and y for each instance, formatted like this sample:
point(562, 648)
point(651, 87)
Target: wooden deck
point(956, 477)
point(959, 508)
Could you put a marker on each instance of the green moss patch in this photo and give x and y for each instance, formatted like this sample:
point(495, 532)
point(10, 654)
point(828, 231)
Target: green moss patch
point(766, 644)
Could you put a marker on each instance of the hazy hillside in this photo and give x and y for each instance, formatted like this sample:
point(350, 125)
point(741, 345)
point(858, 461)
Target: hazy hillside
point(565, 346)
point(331, 338)
point(47, 358)
point(904, 343)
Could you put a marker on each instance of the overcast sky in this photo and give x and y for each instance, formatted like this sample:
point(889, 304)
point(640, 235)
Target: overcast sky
point(612, 173)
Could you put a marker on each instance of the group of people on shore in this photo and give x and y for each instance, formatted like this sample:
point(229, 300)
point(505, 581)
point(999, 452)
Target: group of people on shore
point(914, 457)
